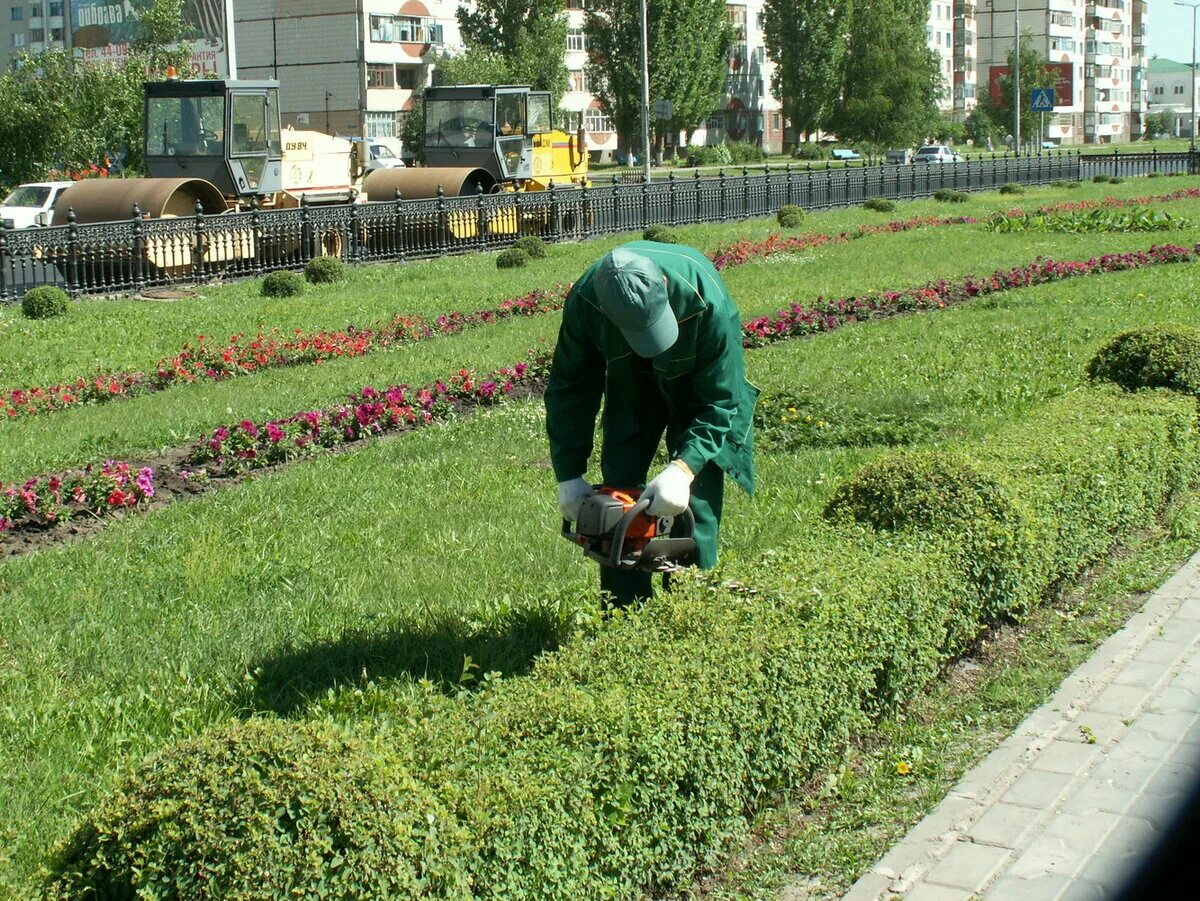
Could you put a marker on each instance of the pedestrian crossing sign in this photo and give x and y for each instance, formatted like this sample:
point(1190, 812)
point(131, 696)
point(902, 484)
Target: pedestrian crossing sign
point(1041, 100)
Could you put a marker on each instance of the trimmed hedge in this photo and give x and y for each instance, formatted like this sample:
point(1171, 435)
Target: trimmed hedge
point(45, 302)
point(282, 284)
point(324, 270)
point(533, 246)
point(949, 195)
point(1155, 356)
point(879, 205)
point(512, 258)
point(1012, 188)
point(790, 215)
point(633, 757)
point(663, 234)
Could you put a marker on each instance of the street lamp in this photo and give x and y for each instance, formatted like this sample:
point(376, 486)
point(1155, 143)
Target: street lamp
point(1192, 128)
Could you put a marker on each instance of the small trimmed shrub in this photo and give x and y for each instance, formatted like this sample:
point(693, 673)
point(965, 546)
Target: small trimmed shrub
point(283, 284)
point(324, 270)
point(1012, 188)
point(1060, 183)
point(1101, 177)
point(949, 195)
point(663, 234)
point(743, 152)
point(513, 258)
point(1154, 175)
point(808, 151)
point(45, 302)
point(790, 216)
point(1116, 180)
point(1155, 356)
point(880, 205)
point(533, 246)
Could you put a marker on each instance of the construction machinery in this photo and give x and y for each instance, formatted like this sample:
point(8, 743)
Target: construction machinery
point(487, 138)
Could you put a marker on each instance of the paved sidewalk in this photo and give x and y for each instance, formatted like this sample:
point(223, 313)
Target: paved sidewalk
point(1080, 791)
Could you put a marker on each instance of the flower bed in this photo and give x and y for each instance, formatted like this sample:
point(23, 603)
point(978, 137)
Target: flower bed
point(826, 315)
point(49, 500)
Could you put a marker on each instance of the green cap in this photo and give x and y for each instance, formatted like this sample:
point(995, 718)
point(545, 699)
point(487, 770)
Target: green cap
point(633, 295)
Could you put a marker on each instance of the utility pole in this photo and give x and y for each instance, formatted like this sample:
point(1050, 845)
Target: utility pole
point(1017, 79)
point(645, 97)
point(230, 42)
point(1192, 129)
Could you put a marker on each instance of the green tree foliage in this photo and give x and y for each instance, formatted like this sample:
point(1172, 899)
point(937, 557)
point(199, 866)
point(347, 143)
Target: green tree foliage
point(64, 113)
point(523, 39)
point(689, 44)
point(805, 40)
point(1158, 125)
point(890, 79)
point(1035, 73)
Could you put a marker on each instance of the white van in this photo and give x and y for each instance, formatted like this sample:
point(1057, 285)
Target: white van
point(32, 204)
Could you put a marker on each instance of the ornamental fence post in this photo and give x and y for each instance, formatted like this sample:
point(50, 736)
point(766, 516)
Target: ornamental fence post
point(354, 242)
point(671, 196)
point(257, 263)
point(1116, 169)
point(586, 211)
point(72, 267)
point(615, 224)
point(4, 265)
point(139, 248)
point(745, 192)
point(442, 221)
point(768, 191)
point(787, 169)
point(306, 230)
point(721, 202)
point(555, 224)
point(480, 219)
point(645, 202)
point(200, 247)
point(398, 220)
point(697, 209)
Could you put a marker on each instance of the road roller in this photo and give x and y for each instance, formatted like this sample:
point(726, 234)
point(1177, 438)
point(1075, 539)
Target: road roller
point(489, 138)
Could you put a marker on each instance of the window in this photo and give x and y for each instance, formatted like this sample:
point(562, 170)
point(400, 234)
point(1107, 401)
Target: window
point(576, 4)
point(37, 35)
point(1178, 89)
point(16, 13)
point(405, 30)
point(579, 81)
point(18, 40)
point(381, 76)
point(380, 124)
point(56, 9)
point(406, 78)
point(576, 40)
point(187, 126)
point(597, 120)
point(248, 123)
point(714, 123)
point(56, 34)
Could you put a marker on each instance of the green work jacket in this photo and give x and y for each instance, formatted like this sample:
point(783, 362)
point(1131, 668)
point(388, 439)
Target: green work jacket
point(701, 378)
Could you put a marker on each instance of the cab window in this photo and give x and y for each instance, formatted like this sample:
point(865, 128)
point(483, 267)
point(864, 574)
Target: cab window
point(248, 123)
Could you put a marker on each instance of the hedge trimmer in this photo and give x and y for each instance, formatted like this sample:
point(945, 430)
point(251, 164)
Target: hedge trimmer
point(614, 529)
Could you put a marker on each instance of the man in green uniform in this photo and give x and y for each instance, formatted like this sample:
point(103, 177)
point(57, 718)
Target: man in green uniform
point(652, 329)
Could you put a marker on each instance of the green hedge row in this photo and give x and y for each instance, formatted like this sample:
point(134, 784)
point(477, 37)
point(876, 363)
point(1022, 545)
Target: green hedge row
point(636, 754)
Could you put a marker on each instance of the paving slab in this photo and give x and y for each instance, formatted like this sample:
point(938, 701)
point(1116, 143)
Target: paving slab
point(1064, 808)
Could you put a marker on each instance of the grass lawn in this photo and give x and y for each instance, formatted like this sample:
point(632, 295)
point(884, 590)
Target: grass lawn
point(141, 332)
point(404, 557)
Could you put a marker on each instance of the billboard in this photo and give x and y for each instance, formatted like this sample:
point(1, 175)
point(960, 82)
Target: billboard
point(1064, 85)
point(101, 30)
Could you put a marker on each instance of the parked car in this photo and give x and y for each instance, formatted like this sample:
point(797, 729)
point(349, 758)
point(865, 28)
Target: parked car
point(936, 153)
point(31, 204)
point(844, 153)
point(381, 156)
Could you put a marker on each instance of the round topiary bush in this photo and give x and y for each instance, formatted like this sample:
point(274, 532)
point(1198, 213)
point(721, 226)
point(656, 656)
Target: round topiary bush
point(663, 234)
point(1116, 180)
point(533, 246)
point(325, 270)
point(1012, 188)
point(45, 302)
point(513, 258)
point(949, 195)
point(1101, 177)
point(922, 490)
point(790, 216)
point(282, 284)
point(1154, 356)
point(254, 810)
point(879, 205)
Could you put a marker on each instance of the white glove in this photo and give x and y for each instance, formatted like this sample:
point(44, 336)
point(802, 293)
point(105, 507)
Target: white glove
point(669, 491)
point(571, 494)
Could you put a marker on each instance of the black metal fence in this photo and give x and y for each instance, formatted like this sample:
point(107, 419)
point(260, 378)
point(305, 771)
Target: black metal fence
point(138, 253)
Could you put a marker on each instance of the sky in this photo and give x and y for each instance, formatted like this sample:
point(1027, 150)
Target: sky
point(1170, 30)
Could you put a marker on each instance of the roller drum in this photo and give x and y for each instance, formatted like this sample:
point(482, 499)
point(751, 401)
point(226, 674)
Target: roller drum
point(423, 183)
point(112, 200)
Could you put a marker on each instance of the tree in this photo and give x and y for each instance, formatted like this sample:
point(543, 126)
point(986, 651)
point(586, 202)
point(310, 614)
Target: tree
point(981, 129)
point(689, 43)
point(1158, 125)
point(62, 112)
point(805, 40)
point(890, 79)
point(1035, 73)
point(527, 36)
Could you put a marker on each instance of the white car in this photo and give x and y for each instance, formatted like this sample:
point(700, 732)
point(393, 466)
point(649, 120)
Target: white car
point(936, 153)
point(382, 157)
point(32, 204)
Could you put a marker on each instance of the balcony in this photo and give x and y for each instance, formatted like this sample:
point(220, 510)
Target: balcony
point(964, 8)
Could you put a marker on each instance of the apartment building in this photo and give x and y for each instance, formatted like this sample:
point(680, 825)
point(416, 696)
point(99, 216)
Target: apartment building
point(31, 26)
point(1170, 86)
point(1099, 52)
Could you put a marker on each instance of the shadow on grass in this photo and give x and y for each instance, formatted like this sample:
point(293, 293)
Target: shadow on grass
point(289, 680)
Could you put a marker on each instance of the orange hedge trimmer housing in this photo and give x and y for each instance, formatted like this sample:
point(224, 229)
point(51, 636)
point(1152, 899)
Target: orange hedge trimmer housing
point(614, 529)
